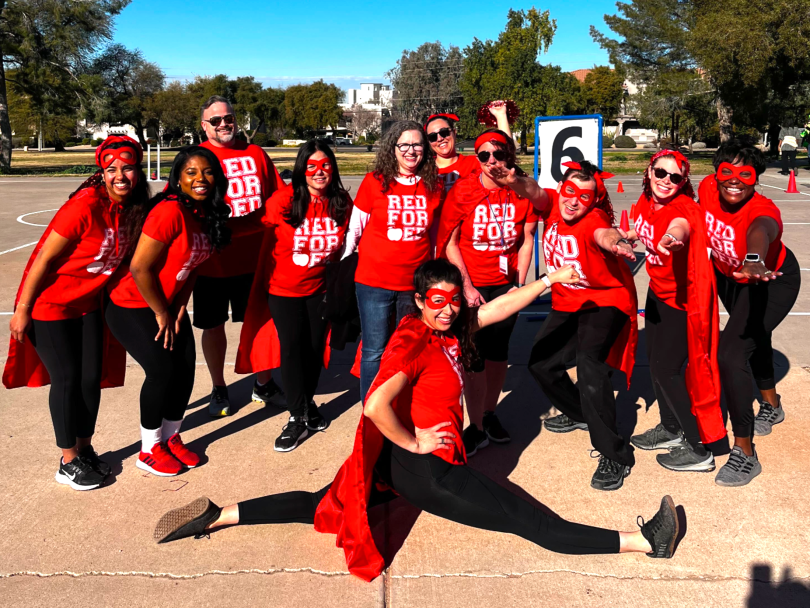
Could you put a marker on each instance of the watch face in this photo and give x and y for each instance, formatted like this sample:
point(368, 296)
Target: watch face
point(752, 257)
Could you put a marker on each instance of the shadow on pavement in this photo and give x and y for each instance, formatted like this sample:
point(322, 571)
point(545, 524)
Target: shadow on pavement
point(767, 593)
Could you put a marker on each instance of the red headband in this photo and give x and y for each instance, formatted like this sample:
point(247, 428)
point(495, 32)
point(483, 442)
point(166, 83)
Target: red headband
point(489, 136)
point(599, 176)
point(453, 117)
point(679, 158)
point(116, 152)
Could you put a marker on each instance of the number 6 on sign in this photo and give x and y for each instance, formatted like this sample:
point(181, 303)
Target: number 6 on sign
point(559, 139)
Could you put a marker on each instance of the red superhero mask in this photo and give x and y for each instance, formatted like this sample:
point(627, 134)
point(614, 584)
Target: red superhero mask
point(324, 165)
point(746, 174)
point(442, 297)
point(586, 196)
point(600, 177)
point(131, 153)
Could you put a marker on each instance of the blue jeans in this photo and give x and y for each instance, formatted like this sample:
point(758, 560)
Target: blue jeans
point(378, 308)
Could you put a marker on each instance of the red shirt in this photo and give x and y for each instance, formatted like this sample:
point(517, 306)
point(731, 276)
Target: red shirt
point(396, 240)
point(252, 178)
point(492, 233)
point(566, 243)
point(300, 254)
point(668, 273)
point(78, 274)
point(727, 229)
point(187, 247)
point(463, 166)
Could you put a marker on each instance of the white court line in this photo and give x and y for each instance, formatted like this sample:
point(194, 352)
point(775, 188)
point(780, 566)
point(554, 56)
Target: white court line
point(22, 221)
point(782, 189)
point(20, 247)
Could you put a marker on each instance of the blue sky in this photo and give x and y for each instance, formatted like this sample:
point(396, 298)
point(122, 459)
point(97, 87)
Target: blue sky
point(342, 42)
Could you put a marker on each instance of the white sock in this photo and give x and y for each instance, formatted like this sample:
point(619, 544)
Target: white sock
point(149, 439)
point(170, 428)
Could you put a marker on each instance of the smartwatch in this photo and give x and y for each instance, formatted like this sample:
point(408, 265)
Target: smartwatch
point(546, 280)
point(753, 258)
point(624, 240)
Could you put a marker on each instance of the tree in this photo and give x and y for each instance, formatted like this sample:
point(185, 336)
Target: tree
point(365, 122)
point(426, 81)
point(602, 91)
point(47, 43)
point(255, 106)
point(201, 89)
point(123, 84)
point(175, 110)
point(308, 108)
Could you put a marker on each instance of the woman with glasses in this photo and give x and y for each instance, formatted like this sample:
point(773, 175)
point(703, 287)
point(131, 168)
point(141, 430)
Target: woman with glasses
point(487, 230)
point(681, 319)
point(758, 280)
point(390, 227)
point(441, 133)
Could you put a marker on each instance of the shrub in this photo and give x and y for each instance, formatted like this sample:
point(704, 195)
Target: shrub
point(623, 141)
point(607, 141)
point(71, 144)
point(698, 145)
point(86, 141)
point(98, 141)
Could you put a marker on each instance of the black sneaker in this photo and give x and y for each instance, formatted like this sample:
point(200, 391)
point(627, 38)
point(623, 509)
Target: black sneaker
point(494, 430)
point(78, 474)
point(662, 530)
point(183, 522)
point(563, 424)
point(609, 474)
point(294, 431)
point(474, 439)
point(219, 406)
point(767, 416)
point(315, 422)
point(269, 393)
point(99, 466)
point(686, 458)
point(657, 438)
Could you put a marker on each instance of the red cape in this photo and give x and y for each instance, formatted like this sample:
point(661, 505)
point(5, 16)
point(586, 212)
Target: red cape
point(623, 352)
point(344, 509)
point(25, 368)
point(703, 329)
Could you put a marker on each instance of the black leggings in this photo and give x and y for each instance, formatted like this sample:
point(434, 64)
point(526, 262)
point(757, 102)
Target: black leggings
point(71, 350)
point(492, 342)
point(667, 351)
point(455, 492)
point(754, 312)
point(301, 331)
point(169, 373)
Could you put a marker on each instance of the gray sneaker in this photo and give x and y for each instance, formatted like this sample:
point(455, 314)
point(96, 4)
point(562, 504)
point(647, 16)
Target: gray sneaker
point(219, 406)
point(739, 470)
point(768, 416)
point(657, 438)
point(564, 424)
point(685, 458)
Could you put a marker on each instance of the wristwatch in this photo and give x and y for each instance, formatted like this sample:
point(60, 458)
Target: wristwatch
point(544, 277)
point(624, 240)
point(753, 258)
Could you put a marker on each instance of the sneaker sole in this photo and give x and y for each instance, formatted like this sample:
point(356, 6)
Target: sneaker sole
point(496, 440)
point(700, 467)
point(274, 400)
point(759, 433)
point(480, 446)
point(319, 428)
point(290, 449)
point(659, 446)
point(671, 507)
point(67, 481)
point(614, 487)
point(175, 519)
point(224, 412)
point(566, 429)
point(738, 484)
point(142, 465)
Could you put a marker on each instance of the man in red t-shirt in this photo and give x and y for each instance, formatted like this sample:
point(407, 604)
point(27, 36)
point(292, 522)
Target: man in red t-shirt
point(224, 280)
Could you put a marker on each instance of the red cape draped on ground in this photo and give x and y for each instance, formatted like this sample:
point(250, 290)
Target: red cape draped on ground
point(344, 509)
point(25, 368)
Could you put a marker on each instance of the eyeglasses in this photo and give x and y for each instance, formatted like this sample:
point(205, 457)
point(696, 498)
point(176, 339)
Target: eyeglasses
point(434, 137)
point(405, 147)
point(675, 178)
point(215, 121)
point(483, 157)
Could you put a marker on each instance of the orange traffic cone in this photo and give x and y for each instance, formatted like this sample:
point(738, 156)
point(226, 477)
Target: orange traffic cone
point(620, 188)
point(792, 189)
point(154, 176)
point(633, 212)
point(625, 222)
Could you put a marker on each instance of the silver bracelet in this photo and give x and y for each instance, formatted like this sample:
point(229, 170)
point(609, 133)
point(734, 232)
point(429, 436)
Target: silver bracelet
point(670, 236)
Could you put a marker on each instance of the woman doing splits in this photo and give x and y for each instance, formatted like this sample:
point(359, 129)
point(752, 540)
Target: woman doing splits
point(59, 305)
point(148, 315)
point(681, 319)
point(487, 230)
point(758, 280)
point(593, 321)
point(409, 438)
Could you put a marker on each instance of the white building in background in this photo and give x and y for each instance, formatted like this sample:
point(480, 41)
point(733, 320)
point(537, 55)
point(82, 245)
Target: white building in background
point(370, 96)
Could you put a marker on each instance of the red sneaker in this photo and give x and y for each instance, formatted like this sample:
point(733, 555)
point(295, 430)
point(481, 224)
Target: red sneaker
point(159, 462)
point(181, 452)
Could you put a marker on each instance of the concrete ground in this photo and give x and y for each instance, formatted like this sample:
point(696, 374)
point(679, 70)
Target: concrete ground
point(742, 547)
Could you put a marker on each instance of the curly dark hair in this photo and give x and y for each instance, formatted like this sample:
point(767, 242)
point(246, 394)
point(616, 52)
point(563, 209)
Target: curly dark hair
point(686, 189)
point(213, 212)
point(587, 173)
point(509, 148)
point(436, 271)
point(387, 166)
point(737, 151)
point(339, 200)
point(135, 208)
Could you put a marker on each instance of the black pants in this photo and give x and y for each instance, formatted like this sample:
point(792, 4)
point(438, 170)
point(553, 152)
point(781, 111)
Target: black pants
point(169, 373)
point(754, 312)
point(492, 342)
point(454, 492)
point(587, 336)
point(788, 160)
point(667, 351)
point(71, 351)
point(301, 334)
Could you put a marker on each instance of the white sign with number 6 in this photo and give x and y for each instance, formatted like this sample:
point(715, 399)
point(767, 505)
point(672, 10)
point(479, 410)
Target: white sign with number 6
point(560, 139)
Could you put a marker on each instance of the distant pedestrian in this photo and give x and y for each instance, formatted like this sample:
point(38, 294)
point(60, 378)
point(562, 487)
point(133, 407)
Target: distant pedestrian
point(788, 147)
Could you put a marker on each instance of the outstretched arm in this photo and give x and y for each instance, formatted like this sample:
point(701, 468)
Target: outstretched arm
point(761, 233)
point(612, 241)
point(676, 236)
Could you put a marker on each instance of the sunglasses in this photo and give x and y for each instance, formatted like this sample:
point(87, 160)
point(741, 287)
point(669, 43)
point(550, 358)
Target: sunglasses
point(405, 147)
point(675, 178)
point(483, 157)
point(434, 137)
point(215, 121)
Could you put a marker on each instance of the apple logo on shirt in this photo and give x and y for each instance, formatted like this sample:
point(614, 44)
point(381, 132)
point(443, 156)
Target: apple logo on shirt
point(300, 259)
point(395, 234)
